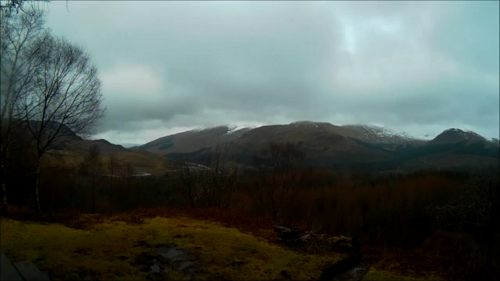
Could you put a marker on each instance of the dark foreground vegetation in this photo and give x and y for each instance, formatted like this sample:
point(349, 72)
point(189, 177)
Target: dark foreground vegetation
point(427, 221)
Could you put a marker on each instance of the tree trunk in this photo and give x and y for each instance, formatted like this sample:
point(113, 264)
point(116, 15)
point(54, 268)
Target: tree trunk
point(5, 209)
point(72, 200)
point(3, 155)
point(37, 197)
point(111, 194)
point(93, 196)
point(139, 198)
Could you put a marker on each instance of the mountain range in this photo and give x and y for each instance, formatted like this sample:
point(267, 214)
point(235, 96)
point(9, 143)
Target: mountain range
point(360, 147)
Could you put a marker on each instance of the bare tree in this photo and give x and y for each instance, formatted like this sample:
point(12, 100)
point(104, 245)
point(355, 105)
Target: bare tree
point(187, 175)
point(65, 99)
point(14, 7)
point(279, 166)
point(9, 6)
point(18, 69)
point(219, 179)
point(93, 167)
point(113, 167)
point(212, 182)
point(129, 170)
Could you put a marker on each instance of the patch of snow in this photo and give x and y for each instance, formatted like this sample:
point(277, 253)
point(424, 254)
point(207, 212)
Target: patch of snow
point(200, 129)
point(230, 128)
point(473, 133)
point(387, 132)
point(235, 128)
point(303, 123)
point(383, 134)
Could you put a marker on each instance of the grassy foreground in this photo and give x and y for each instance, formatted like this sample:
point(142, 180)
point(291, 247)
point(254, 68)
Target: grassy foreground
point(110, 250)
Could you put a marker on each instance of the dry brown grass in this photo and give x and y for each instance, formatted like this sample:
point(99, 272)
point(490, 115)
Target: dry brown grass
point(260, 227)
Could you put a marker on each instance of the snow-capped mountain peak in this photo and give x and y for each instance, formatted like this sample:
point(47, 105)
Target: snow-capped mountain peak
point(454, 135)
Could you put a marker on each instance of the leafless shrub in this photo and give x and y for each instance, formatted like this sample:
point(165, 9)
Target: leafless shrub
point(211, 184)
point(279, 165)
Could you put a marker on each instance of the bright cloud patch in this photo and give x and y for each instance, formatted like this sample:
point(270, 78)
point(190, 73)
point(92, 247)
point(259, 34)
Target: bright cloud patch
point(132, 82)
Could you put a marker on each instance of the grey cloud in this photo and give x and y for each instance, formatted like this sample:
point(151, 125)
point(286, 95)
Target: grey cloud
point(469, 35)
point(258, 62)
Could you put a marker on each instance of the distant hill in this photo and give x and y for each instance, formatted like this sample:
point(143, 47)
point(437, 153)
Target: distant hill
point(495, 142)
point(109, 145)
point(142, 161)
point(455, 135)
point(363, 147)
point(193, 140)
point(70, 150)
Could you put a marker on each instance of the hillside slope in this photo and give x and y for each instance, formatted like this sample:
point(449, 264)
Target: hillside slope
point(376, 134)
point(74, 152)
point(193, 140)
point(319, 141)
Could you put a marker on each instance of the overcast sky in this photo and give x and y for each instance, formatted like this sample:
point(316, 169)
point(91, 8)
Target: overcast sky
point(420, 66)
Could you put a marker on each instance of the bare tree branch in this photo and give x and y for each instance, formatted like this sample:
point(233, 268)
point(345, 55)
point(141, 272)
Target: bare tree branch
point(279, 166)
point(17, 72)
point(65, 97)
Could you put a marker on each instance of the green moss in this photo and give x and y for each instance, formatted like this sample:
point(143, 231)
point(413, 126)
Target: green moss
point(111, 249)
